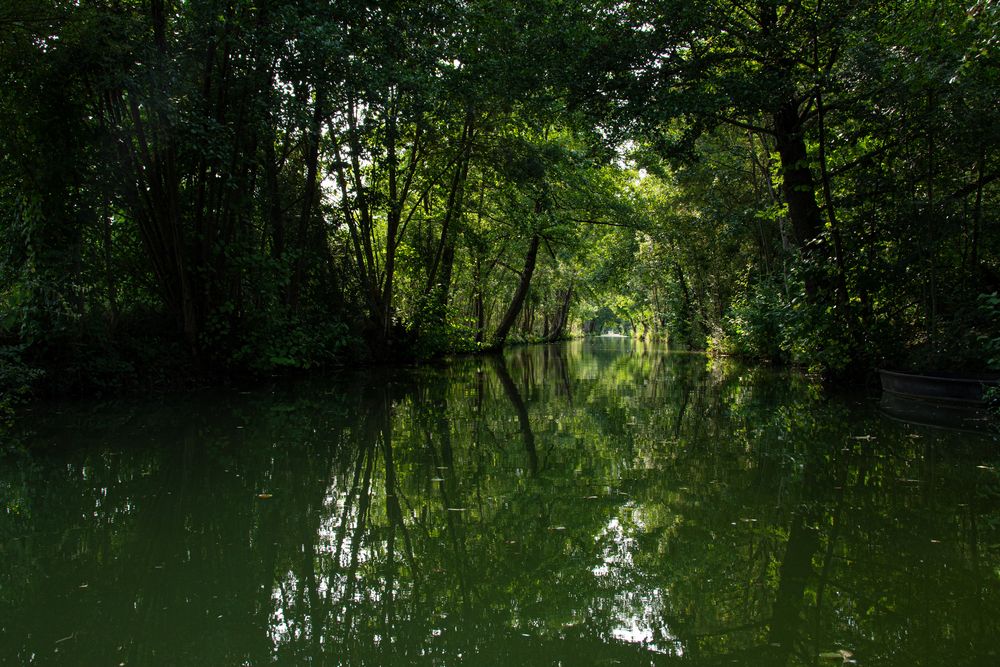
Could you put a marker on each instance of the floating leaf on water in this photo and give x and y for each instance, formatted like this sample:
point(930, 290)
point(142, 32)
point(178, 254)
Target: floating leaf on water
point(842, 655)
point(264, 496)
point(557, 527)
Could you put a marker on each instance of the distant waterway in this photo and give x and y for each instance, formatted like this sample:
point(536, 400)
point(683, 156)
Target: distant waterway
point(598, 502)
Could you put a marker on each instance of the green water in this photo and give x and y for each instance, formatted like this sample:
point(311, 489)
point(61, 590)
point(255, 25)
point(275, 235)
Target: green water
point(594, 503)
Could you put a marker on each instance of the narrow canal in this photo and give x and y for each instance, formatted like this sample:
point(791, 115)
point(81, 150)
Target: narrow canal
point(600, 502)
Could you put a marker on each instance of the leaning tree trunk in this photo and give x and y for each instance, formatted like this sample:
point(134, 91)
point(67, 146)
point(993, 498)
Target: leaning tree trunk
point(514, 309)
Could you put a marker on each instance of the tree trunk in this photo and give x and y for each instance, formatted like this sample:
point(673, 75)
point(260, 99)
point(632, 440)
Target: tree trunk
point(109, 273)
point(798, 187)
point(838, 246)
point(478, 305)
point(443, 262)
point(310, 196)
point(563, 316)
point(514, 309)
point(687, 310)
point(977, 213)
point(276, 219)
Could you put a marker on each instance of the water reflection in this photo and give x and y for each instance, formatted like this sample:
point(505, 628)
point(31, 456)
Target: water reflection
point(595, 503)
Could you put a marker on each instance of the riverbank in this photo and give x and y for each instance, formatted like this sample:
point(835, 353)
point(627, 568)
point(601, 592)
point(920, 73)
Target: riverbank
point(145, 358)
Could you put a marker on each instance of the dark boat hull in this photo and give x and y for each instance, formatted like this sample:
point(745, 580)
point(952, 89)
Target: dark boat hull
point(939, 389)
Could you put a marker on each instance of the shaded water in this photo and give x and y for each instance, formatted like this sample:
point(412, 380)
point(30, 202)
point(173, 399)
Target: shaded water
point(601, 502)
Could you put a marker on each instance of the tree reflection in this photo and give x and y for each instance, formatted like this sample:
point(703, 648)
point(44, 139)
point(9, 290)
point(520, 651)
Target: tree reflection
point(499, 365)
point(590, 503)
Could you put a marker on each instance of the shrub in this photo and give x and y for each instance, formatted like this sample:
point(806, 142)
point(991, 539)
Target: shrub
point(17, 381)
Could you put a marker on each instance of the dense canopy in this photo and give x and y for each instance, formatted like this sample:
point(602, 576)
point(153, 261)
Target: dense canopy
point(191, 186)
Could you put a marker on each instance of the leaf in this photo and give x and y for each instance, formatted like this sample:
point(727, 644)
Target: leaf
point(841, 655)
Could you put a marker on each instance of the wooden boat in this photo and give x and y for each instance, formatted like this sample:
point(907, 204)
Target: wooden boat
point(942, 388)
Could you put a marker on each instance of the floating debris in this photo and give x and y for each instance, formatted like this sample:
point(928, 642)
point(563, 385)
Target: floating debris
point(843, 656)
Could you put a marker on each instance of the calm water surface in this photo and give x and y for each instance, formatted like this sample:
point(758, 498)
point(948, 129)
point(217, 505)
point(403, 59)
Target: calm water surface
point(594, 503)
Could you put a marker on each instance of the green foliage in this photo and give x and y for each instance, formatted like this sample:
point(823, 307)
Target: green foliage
point(761, 324)
point(17, 380)
point(289, 185)
point(814, 338)
point(753, 327)
point(280, 343)
point(442, 330)
point(822, 177)
point(989, 308)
